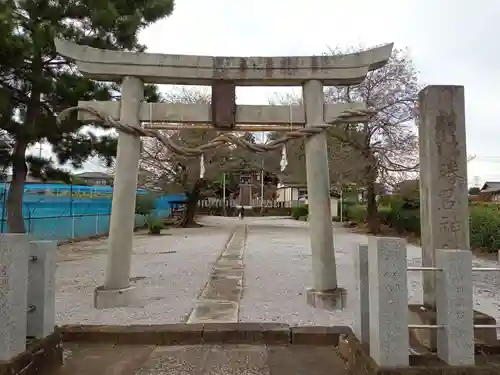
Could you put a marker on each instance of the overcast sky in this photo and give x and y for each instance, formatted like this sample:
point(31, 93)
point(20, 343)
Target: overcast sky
point(451, 42)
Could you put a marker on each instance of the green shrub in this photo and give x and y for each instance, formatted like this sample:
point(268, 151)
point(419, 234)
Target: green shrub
point(404, 220)
point(485, 204)
point(155, 225)
point(356, 213)
point(386, 200)
point(299, 211)
point(400, 202)
point(384, 213)
point(145, 204)
point(346, 206)
point(484, 222)
point(485, 226)
point(404, 217)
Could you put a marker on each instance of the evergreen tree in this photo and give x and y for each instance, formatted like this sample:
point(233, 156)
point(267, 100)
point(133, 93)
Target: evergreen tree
point(36, 83)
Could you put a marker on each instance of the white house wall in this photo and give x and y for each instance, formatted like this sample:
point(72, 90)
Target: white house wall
point(287, 194)
point(334, 202)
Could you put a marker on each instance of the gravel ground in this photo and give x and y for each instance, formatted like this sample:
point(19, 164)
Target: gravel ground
point(169, 282)
point(278, 266)
point(277, 272)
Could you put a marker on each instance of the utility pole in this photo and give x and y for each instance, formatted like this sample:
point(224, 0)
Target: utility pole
point(262, 185)
point(341, 205)
point(224, 194)
point(341, 200)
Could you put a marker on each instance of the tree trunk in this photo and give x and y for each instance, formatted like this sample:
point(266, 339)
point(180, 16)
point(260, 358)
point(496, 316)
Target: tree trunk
point(370, 175)
point(371, 208)
point(190, 212)
point(15, 219)
point(193, 196)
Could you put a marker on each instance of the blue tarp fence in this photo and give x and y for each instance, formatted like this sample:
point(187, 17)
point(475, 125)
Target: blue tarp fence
point(63, 212)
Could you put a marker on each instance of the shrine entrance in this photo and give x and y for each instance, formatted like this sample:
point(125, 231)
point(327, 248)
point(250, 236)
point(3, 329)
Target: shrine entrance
point(223, 74)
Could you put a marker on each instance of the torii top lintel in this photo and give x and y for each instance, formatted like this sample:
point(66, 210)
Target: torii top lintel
point(338, 70)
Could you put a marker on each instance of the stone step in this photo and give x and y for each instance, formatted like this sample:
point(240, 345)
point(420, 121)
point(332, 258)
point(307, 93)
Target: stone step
point(103, 359)
point(93, 359)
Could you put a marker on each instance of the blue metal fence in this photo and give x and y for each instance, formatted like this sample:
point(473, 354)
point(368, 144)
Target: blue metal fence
point(63, 212)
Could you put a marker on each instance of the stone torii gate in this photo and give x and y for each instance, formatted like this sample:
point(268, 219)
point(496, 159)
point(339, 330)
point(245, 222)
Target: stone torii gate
point(223, 74)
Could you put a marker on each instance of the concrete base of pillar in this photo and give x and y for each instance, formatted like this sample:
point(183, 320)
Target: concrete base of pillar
point(332, 300)
point(109, 298)
point(421, 314)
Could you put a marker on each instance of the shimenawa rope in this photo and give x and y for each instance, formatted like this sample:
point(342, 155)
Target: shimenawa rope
point(220, 140)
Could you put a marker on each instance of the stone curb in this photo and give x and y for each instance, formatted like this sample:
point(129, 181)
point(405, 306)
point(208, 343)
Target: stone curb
point(40, 355)
point(359, 362)
point(81, 239)
point(213, 333)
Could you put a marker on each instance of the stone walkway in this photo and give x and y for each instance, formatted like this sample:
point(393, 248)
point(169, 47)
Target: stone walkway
point(219, 302)
point(91, 359)
point(199, 275)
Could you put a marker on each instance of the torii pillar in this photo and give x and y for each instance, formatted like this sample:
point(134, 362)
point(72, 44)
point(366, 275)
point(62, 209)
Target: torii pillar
point(116, 290)
point(318, 192)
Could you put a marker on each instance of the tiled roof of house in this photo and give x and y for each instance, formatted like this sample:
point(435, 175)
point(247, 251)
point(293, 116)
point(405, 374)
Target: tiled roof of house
point(490, 187)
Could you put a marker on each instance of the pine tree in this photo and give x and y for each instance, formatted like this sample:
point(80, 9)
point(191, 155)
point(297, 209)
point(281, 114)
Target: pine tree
point(36, 83)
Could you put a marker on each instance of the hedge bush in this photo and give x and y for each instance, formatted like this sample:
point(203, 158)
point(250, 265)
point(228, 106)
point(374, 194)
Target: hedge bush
point(145, 204)
point(300, 211)
point(485, 226)
point(404, 220)
point(356, 213)
point(346, 206)
point(155, 225)
point(484, 222)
